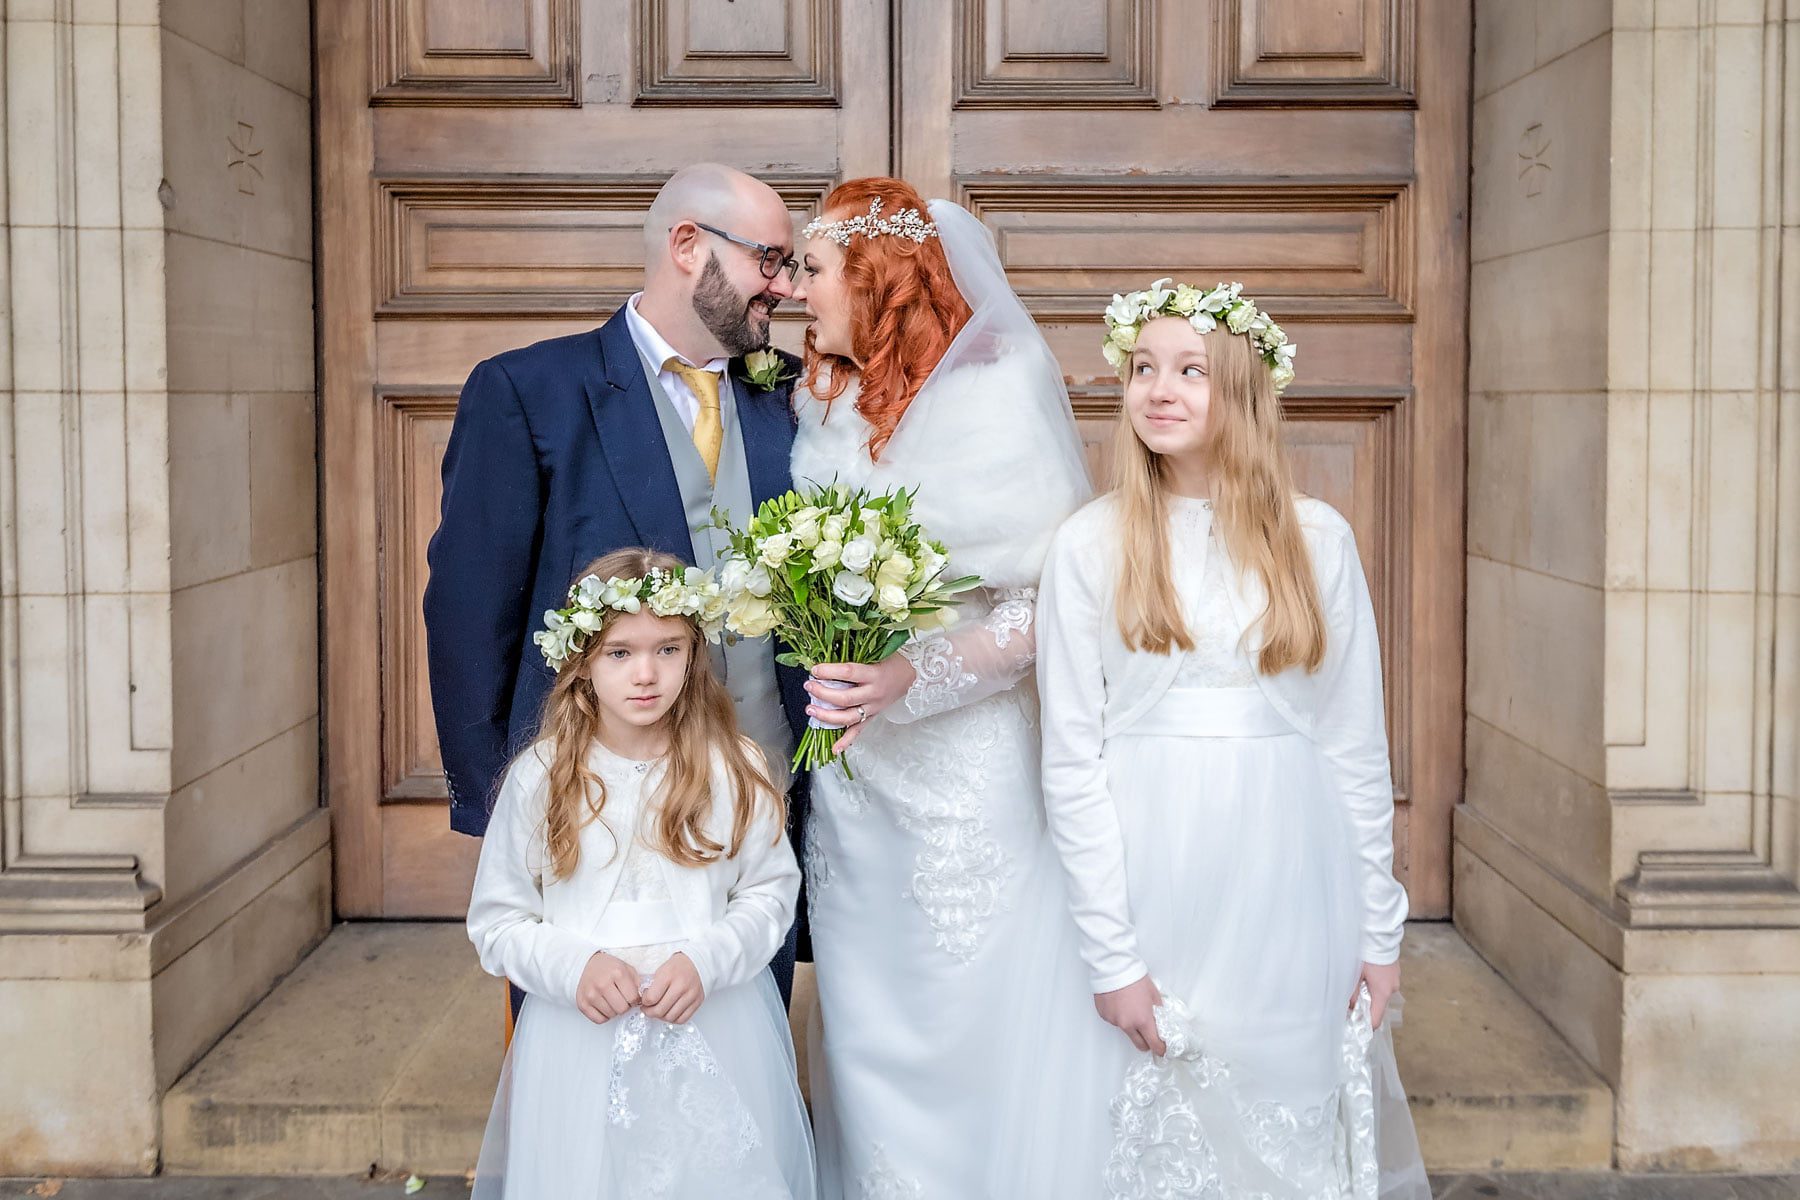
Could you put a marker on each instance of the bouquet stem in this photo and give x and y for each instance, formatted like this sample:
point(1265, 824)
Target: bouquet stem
point(818, 744)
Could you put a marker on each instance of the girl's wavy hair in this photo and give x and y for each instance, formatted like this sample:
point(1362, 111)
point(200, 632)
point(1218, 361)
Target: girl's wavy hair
point(905, 310)
point(703, 728)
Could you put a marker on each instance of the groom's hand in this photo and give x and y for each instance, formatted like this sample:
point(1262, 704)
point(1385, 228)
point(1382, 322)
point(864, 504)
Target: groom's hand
point(874, 688)
point(1133, 1009)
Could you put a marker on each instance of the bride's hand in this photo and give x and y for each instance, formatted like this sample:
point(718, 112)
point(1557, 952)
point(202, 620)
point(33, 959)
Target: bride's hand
point(1132, 1009)
point(1383, 980)
point(875, 687)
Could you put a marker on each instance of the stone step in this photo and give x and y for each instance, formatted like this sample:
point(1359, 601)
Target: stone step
point(1492, 1086)
point(381, 1051)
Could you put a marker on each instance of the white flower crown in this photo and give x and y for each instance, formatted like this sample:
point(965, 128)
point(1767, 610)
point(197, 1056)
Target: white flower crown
point(693, 593)
point(1226, 304)
point(906, 223)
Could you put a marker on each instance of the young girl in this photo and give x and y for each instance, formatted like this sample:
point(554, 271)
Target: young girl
point(635, 881)
point(1216, 776)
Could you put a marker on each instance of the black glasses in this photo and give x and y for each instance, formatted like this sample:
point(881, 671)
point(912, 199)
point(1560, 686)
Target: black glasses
point(772, 259)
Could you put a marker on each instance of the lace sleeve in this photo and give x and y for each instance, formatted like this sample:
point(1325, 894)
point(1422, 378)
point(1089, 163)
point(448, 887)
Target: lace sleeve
point(974, 661)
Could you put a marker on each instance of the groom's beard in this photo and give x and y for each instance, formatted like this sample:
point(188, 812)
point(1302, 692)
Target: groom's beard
point(740, 324)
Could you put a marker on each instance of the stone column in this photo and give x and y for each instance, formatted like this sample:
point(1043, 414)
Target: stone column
point(1626, 855)
point(163, 856)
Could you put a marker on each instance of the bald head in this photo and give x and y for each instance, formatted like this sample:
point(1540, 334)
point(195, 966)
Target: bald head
point(706, 288)
point(709, 193)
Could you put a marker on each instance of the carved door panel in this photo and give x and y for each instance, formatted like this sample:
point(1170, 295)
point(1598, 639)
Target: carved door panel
point(1315, 150)
point(484, 170)
point(484, 167)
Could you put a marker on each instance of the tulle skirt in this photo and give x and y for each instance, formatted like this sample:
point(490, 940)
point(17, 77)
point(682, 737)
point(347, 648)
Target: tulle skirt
point(638, 1109)
point(955, 1032)
point(1245, 895)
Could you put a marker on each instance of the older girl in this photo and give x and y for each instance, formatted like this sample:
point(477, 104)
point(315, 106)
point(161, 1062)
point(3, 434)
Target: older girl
point(1216, 776)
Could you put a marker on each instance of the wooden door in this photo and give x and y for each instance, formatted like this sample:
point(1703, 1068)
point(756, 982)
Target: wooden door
point(1315, 150)
point(484, 166)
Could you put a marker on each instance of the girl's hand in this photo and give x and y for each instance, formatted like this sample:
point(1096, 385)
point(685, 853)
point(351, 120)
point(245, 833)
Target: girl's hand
point(608, 988)
point(877, 687)
point(1131, 1009)
point(674, 992)
point(1383, 980)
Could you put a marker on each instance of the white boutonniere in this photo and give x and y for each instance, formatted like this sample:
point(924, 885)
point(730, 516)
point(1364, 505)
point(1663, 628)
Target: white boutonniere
point(765, 369)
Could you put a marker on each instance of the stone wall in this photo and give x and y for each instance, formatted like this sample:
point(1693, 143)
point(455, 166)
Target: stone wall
point(1626, 852)
point(164, 856)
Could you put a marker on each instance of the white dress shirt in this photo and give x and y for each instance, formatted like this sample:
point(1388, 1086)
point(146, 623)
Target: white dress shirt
point(656, 349)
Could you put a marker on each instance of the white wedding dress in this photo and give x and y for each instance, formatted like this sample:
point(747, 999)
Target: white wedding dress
point(951, 991)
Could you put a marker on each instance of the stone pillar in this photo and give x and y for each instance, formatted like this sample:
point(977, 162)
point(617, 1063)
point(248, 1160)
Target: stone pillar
point(1626, 854)
point(163, 855)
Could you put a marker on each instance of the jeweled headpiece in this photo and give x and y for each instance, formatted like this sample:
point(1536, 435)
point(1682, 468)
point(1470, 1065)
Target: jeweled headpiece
point(906, 223)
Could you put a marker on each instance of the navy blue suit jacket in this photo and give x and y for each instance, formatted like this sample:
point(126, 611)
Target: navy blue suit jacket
point(555, 458)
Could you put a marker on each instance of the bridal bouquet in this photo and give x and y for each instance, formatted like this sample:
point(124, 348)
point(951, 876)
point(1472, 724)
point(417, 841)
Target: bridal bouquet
point(840, 575)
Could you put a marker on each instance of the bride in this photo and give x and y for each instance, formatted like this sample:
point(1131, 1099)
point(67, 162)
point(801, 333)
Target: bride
point(951, 992)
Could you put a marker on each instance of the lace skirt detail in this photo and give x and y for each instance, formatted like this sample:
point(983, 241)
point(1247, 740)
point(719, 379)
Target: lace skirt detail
point(1243, 887)
point(638, 1109)
point(946, 963)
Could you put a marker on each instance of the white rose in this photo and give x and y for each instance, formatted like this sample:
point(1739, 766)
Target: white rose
point(670, 600)
point(893, 598)
point(834, 527)
point(931, 622)
point(1281, 375)
point(734, 576)
point(858, 554)
point(1186, 301)
point(852, 588)
point(776, 548)
point(897, 569)
point(1238, 319)
point(752, 617)
point(1125, 337)
point(930, 563)
point(759, 583)
point(1115, 357)
point(825, 555)
point(585, 620)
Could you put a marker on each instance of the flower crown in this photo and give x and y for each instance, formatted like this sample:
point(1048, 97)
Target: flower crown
point(1226, 304)
point(692, 593)
point(906, 223)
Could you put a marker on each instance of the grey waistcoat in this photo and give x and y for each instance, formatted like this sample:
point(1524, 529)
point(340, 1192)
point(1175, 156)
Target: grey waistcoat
point(748, 668)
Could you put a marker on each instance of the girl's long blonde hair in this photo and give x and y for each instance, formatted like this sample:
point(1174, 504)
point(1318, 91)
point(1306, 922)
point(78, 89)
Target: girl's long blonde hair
point(702, 725)
point(1253, 510)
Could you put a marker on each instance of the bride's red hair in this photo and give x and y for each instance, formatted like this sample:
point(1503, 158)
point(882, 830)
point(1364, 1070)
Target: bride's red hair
point(904, 310)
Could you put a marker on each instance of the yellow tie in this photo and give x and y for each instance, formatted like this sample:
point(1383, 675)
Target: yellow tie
point(709, 434)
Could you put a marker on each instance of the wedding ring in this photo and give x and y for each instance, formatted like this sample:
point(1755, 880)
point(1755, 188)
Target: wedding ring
point(862, 714)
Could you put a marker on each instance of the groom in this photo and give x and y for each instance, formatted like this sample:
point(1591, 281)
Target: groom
point(626, 435)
